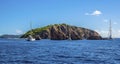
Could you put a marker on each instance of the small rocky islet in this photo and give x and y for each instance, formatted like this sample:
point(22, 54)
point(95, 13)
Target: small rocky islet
point(62, 32)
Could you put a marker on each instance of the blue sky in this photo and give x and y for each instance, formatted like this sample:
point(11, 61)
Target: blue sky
point(16, 15)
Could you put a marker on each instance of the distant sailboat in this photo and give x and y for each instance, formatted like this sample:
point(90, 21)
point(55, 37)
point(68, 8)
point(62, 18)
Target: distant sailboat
point(50, 33)
point(30, 37)
point(83, 37)
point(110, 30)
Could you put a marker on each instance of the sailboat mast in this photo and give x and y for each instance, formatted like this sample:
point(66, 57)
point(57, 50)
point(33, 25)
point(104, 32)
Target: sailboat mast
point(110, 31)
point(31, 27)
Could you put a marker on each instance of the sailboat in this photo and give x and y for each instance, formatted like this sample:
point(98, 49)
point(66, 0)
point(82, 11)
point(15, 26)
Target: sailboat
point(69, 33)
point(30, 37)
point(110, 31)
point(83, 37)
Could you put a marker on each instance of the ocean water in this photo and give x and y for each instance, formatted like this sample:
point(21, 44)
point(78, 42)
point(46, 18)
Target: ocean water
point(19, 51)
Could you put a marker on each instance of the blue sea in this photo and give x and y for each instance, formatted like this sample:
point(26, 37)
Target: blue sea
point(20, 51)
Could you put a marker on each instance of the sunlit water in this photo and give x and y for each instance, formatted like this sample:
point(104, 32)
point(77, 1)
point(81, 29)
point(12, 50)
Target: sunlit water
point(19, 51)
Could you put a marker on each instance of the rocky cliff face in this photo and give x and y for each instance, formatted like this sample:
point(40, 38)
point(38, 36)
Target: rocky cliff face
point(64, 31)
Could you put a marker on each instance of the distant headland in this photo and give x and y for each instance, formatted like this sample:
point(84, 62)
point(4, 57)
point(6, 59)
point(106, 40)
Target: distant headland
point(62, 32)
point(10, 36)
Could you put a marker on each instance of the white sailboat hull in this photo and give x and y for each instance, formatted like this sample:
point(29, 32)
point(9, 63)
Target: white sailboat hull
point(30, 39)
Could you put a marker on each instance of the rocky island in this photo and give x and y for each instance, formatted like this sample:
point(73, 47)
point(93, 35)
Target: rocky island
point(63, 32)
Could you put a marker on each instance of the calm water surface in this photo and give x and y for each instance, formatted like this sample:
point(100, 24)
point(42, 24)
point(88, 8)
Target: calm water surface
point(19, 51)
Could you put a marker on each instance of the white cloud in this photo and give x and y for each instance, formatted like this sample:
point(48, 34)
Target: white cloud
point(94, 13)
point(19, 31)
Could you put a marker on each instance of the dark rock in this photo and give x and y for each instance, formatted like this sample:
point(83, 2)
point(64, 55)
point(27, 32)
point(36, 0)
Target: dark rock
point(57, 33)
point(37, 37)
point(94, 38)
